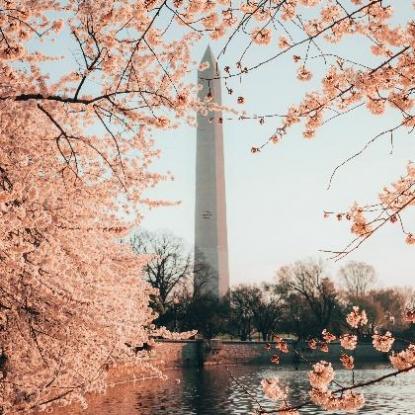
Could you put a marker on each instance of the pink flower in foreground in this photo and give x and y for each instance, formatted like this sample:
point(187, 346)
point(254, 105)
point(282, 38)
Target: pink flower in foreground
point(275, 359)
point(356, 318)
point(283, 42)
point(347, 361)
point(348, 401)
point(404, 359)
point(348, 341)
point(327, 336)
point(57, 25)
point(383, 343)
point(284, 410)
point(304, 74)
point(319, 397)
point(351, 401)
point(281, 344)
point(324, 347)
point(409, 316)
point(312, 344)
point(410, 239)
point(321, 375)
point(261, 36)
point(273, 389)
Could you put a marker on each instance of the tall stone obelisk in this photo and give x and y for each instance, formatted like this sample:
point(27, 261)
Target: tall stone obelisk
point(211, 239)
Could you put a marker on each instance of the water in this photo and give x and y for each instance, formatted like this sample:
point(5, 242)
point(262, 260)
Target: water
point(234, 390)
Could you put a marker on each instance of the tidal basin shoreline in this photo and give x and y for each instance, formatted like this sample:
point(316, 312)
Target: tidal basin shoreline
point(196, 353)
point(194, 367)
point(222, 390)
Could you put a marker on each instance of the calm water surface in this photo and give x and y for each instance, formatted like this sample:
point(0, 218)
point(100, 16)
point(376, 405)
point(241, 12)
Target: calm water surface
point(223, 391)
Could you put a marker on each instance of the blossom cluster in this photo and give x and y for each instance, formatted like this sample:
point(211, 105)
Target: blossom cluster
point(321, 376)
point(348, 341)
point(383, 342)
point(281, 344)
point(75, 162)
point(323, 392)
point(349, 401)
point(404, 359)
point(273, 389)
point(409, 315)
point(347, 361)
point(386, 85)
point(356, 318)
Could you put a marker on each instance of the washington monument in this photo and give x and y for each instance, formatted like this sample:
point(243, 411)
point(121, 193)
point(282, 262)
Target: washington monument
point(211, 239)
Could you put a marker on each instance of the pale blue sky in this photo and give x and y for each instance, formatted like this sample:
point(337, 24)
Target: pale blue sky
point(275, 199)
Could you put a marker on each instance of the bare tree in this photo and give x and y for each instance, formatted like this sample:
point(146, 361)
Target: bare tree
point(357, 278)
point(256, 308)
point(244, 300)
point(268, 312)
point(203, 276)
point(308, 280)
point(169, 265)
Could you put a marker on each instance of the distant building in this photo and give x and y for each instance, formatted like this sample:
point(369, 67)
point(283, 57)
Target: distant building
point(211, 240)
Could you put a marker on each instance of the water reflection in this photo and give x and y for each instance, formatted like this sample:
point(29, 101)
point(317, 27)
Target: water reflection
point(234, 390)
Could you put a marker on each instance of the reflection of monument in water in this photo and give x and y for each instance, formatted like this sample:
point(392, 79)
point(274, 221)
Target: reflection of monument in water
point(211, 243)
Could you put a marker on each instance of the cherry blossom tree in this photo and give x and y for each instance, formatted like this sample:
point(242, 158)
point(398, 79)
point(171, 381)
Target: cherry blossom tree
point(76, 152)
point(75, 158)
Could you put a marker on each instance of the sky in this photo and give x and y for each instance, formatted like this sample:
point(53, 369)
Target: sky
point(276, 198)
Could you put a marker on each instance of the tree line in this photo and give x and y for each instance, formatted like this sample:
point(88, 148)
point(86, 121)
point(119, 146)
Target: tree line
point(303, 299)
